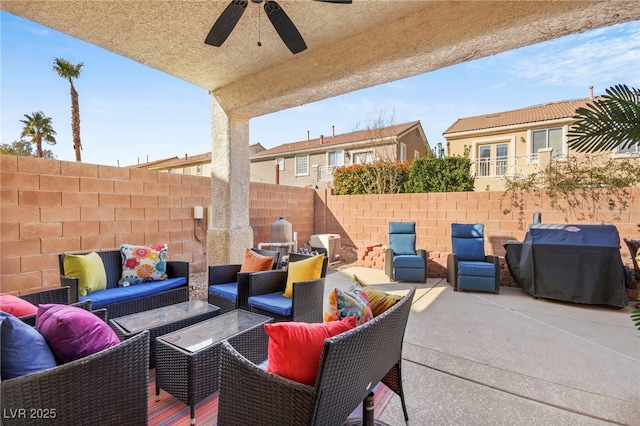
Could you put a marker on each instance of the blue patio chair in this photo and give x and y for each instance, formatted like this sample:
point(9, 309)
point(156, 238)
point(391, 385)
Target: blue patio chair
point(468, 268)
point(403, 262)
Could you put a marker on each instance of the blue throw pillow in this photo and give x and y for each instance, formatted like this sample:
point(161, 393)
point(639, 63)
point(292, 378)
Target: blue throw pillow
point(22, 349)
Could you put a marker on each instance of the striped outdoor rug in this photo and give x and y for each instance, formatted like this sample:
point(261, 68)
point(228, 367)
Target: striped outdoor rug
point(168, 411)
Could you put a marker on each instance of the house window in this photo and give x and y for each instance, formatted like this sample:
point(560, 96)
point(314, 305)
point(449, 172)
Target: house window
point(170, 170)
point(302, 165)
point(335, 158)
point(547, 138)
point(403, 152)
point(280, 163)
point(186, 170)
point(633, 149)
point(363, 157)
point(416, 155)
point(484, 160)
point(492, 160)
point(199, 169)
point(502, 150)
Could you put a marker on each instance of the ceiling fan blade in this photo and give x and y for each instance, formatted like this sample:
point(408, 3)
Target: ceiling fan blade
point(285, 28)
point(337, 1)
point(226, 23)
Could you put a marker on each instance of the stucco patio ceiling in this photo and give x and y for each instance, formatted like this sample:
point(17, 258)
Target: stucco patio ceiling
point(350, 47)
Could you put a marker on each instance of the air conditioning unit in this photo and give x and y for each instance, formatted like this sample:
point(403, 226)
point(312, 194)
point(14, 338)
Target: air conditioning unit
point(330, 242)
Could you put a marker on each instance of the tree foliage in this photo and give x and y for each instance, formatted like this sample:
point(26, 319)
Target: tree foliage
point(440, 174)
point(38, 128)
point(578, 187)
point(24, 148)
point(379, 177)
point(610, 122)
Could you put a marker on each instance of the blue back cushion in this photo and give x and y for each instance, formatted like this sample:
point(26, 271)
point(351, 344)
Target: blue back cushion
point(467, 241)
point(402, 237)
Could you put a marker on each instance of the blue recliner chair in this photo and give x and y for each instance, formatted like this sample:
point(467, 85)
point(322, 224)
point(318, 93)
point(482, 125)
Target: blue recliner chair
point(467, 266)
point(403, 262)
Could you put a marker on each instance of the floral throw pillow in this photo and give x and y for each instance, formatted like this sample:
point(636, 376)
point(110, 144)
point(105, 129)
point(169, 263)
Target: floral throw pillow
point(350, 303)
point(142, 264)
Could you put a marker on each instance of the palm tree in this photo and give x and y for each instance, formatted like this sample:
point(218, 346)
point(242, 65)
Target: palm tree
point(613, 121)
point(67, 70)
point(38, 127)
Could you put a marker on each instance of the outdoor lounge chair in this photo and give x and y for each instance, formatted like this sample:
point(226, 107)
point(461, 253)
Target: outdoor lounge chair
point(229, 288)
point(468, 268)
point(306, 303)
point(403, 262)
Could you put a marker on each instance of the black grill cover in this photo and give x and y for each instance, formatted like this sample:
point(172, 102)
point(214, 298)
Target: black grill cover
point(573, 263)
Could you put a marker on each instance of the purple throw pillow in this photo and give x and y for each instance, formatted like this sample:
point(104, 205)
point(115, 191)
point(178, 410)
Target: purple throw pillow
point(73, 333)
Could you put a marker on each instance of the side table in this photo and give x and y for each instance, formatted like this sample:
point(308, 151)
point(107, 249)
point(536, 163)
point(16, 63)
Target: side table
point(188, 360)
point(162, 320)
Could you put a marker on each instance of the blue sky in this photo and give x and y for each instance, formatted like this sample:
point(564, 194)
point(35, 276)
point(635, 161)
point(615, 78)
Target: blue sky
point(132, 113)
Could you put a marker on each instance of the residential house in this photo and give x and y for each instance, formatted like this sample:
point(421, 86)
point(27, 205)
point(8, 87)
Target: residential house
point(199, 164)
point(519, 142)
point(311, 162)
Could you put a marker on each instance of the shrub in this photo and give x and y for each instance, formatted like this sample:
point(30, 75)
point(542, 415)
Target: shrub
point(440, 174)
point(380, 177)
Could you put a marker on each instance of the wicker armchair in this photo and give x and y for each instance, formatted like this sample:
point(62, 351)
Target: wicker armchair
point(350, 366)
point(229, 288)
point(634, 247)
point(106, 388)
point(57, 295)
point(306, 304)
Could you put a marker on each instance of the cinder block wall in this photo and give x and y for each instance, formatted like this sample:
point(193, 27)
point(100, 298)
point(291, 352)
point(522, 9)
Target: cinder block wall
point(50, 207)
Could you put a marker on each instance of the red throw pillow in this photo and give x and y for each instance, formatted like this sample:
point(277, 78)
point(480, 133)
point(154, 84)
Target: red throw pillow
point(15, 306)
point(254, 262)
point(295, 347)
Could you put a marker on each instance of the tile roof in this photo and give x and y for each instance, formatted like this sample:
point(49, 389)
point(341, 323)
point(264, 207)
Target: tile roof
point(345, 138)
point(533, 114)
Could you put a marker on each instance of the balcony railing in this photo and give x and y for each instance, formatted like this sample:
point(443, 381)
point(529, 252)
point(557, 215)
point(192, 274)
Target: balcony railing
point(325, 173)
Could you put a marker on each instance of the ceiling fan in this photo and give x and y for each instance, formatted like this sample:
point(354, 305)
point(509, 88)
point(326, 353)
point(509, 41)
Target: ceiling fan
point(284, 27)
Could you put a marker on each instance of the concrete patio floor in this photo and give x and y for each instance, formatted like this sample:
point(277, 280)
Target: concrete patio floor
point(510, 359)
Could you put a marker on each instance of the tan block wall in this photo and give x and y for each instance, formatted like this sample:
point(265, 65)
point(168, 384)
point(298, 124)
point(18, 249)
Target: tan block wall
point(49, 207)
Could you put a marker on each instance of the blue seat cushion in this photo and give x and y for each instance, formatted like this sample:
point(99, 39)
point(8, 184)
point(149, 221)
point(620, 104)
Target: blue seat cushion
point(106, 297)
point(227, 291)
point(476, 269)
point(273, 302)
point(408, 261)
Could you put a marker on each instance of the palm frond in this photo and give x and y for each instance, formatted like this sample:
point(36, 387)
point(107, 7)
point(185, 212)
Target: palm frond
point(608, 123)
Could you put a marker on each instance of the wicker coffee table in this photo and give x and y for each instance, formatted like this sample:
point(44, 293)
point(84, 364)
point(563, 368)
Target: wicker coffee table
point(188, 360)
point(163, 320)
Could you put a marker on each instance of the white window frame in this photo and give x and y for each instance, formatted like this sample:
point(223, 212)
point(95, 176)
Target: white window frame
point(556, 156)
point(186, 170)
point(490, 163)
point(632, 151)
point(337, 155)
point(302, 171)
point(403, 151)
point(367, 157)
point(280, 163)
point(199, 169)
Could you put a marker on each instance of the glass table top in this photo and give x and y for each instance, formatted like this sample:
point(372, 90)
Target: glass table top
point(160, 316)
point(214, 330)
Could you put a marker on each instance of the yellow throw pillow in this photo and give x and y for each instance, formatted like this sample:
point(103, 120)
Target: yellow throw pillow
point(254, 262)
point(89, 270)
point(303, 270)
point(379, 301)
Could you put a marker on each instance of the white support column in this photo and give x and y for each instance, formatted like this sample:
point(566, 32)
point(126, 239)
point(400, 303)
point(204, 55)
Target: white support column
point(230, 233)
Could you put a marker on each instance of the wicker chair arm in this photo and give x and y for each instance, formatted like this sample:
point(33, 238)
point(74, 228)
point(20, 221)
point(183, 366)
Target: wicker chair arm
point(59, 295)
point(222, 274)
point(245, 388)
point(177, 269)
point(308, 300)
point(73, 283)
point(267, 282)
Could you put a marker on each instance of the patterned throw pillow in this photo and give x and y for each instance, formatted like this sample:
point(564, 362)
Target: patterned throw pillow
point(378, 299)
point(351, 303)
point(142, 264)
